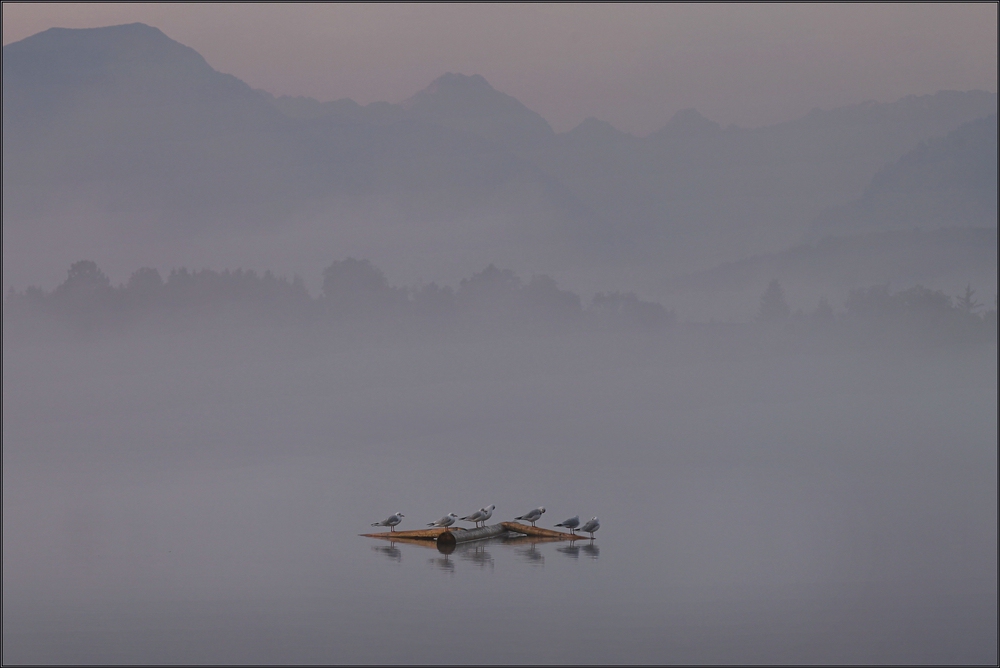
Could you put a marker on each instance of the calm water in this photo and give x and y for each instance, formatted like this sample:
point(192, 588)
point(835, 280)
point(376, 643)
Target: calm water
point(164, 503)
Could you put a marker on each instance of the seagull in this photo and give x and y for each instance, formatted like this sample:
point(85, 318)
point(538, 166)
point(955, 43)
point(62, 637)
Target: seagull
point(591, 526)
point(480, 515)
point(487, 513)
point(532, 516)
point(475, 517)
point(445, 521)
point(571, 524)
point(390, 521)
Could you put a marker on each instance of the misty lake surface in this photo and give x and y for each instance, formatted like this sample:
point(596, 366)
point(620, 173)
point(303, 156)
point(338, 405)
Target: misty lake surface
point(197, 498)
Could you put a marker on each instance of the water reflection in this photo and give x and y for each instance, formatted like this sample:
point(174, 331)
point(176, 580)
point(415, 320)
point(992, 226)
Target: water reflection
point(390, 551)
point(527, 549)
point(570, 551)
point(478, 555)
point(443, 563)
point(531, 555)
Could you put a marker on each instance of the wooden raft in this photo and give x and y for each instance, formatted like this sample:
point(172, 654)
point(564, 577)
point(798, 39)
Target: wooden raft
point(474, 534)
point(418, 534)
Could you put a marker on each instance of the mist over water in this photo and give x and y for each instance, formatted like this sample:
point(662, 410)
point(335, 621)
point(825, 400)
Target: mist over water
point(765, 358)
point(197, 497)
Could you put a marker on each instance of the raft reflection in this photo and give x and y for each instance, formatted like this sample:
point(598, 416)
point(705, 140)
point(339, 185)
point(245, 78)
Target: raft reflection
point(531, 555)
point(476, 553)
point(390, 551)
point(528, 549)
point(443, 563)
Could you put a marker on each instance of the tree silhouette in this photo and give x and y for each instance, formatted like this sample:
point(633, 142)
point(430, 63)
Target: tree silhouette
point(144, 281)
point(966, 303)
point(627, 308)
point(84, 275)
point(358, 286)
point(543, 296)
point(491, 285)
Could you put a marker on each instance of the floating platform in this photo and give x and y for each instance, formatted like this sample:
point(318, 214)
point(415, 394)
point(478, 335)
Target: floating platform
point(418, 534)
point(454, 535)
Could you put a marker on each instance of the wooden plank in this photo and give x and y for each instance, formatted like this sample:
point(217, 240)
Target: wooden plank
point(538, 531)
point(420, 534)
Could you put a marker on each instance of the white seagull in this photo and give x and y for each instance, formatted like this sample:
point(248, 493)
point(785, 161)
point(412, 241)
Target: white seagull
point(487, 513)
point(474, 517)
point(571, 524)
point(591, 526)
point(390, 521)
point(480, 515)
point(445, 521)
point(532, 516)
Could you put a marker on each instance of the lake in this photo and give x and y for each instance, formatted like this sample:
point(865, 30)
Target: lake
point(198, 498)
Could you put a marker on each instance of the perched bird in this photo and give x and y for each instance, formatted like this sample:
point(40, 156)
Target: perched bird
point(487, 513)
point(532, 516)
point(571, 524)
point(591, 526)
point(445, 521)
point(390, 521)
point(474, 517)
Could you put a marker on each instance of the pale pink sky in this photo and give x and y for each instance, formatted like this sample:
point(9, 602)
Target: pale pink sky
point(632, 65)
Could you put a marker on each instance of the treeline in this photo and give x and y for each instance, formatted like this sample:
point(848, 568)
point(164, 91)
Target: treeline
point(916, 314)
point(354, 291)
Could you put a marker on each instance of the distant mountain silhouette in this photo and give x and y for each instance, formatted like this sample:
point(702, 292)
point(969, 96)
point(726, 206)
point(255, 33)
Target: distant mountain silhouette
point(139, 132)
point(305, 108)
point(947, 181)
point(469, 104)
point(127, 108)
point(130, 117)
point(686, 125)
point(111, 131)
point(465, 104)
point(696, 191)
point(596, 132)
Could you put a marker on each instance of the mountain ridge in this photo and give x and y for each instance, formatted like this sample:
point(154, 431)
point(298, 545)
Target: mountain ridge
point(950, 180)
point(182, 148)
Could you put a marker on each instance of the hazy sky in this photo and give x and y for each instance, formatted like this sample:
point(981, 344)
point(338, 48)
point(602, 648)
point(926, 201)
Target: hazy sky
point(632, 65)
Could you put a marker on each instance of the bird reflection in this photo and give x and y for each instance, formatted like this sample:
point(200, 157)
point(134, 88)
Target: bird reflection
point(443, 563)
point(391, 551)
point(532, 555)
point(591, 550)
point(478, 555)
point(570, 551)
